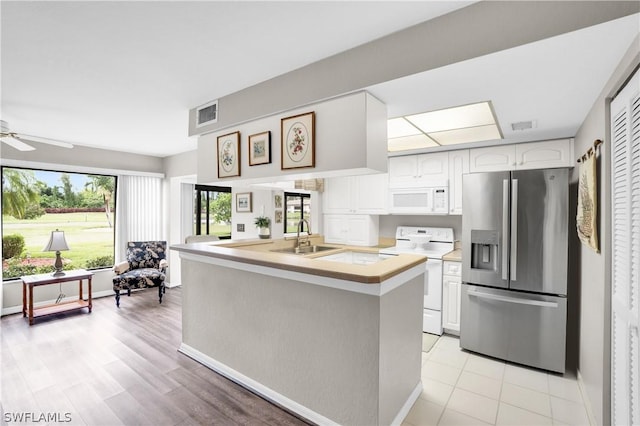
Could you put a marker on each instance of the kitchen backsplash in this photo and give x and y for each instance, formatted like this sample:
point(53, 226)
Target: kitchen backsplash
point(389, 223)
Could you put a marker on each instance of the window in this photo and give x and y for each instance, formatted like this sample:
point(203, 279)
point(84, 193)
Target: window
point(36, 202)
point(212, 211)
point(297, 206)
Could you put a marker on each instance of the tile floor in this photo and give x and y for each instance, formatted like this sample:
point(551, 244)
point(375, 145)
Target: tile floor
point(462, 388)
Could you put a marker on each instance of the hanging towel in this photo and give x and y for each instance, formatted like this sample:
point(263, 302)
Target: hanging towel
point(586, 218)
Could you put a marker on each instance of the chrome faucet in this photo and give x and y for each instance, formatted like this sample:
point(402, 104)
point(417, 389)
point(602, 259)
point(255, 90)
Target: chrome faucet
point(306, 242)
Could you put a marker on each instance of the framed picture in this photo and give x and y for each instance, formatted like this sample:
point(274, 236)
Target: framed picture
point(278, 214)
point(298, 141)
point(277, 200)
point(243, 202)
point(229, 155)
point(260, 148)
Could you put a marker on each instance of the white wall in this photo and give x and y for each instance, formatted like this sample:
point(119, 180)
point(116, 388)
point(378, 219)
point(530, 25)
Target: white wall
point(593, 274)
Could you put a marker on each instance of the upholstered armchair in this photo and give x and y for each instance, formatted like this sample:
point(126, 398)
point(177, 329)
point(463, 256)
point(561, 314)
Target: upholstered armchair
point(145, 267)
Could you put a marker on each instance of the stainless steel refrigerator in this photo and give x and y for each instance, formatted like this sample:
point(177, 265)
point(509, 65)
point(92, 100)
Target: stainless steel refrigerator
point(514, 275)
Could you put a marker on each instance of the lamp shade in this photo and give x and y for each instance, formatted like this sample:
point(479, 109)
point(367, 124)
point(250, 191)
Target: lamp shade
point(56, 242)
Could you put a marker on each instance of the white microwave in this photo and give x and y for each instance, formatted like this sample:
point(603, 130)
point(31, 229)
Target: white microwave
point(430, 200)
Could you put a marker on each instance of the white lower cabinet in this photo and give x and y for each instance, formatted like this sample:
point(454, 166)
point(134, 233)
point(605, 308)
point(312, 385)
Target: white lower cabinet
point(356, 230)
point(451, 291)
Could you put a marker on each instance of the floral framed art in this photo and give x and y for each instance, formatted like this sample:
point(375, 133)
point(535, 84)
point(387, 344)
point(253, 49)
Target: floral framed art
point(260, 148)
point(243, 202)
point(229, 155)
point(298, 141)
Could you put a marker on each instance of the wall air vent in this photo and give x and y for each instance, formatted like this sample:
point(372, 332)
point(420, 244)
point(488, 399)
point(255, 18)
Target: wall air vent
point(207, 114)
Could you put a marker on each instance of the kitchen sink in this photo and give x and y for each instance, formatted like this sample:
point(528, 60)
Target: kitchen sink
point(304, 249)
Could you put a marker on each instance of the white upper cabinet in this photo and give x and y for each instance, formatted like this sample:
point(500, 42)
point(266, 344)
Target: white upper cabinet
point(534, 155)
point(419, 170)
point(547, 154)
point(364, 194)
point(492, 158)
point(458, 165)
point(352, 229)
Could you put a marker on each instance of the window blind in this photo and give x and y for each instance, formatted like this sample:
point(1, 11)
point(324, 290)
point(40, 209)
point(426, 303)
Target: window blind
point(625, 210)
point(139, 211)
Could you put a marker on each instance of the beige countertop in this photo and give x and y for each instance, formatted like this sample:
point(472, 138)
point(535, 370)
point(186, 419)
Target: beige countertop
point(453, 256)
point(259, 252)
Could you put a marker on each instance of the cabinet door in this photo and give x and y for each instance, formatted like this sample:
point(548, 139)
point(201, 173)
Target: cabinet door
point(433, 169)
point(542, 155)
point(371, 193)
point(402, 171)
point(458, 165)
point(492, 158)
point(362, 230)
point(337, 195)
point(335, 229)
point(451, 287)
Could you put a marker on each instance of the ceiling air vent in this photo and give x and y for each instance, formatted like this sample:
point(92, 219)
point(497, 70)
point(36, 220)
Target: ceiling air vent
point(524, 125)
point(207, 114)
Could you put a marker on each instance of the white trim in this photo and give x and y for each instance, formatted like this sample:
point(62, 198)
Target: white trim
point(404, 411)
point(586, 401)
point(74, 168)
point(262, 390)
point(353, 286)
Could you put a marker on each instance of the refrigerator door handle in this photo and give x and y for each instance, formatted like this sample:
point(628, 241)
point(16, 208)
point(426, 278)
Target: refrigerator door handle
point(505, 228)
point(514, 228)
point(507, 299)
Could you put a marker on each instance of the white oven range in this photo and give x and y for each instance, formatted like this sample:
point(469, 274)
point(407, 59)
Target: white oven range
point(433, 243)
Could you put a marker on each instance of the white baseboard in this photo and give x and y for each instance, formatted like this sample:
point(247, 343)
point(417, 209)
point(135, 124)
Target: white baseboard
point(262, 390)
point(18, 308)
point(404, 411)
point(277, 398)
point(587, 402)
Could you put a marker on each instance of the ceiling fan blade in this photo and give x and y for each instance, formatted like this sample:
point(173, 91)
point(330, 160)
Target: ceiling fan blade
point(48, 141)
point(16, 143)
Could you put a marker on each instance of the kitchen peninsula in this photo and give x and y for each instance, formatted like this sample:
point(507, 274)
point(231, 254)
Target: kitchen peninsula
point(334, 342)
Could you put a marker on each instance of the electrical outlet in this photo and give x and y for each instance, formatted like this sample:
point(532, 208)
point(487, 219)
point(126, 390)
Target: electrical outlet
point(240, 227)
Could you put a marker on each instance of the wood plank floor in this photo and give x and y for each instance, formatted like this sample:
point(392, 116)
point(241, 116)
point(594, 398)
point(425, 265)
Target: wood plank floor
point(119, 367)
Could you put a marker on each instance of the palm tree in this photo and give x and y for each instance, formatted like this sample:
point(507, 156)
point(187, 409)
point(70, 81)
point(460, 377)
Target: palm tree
point(103, 185)
point(18, 191)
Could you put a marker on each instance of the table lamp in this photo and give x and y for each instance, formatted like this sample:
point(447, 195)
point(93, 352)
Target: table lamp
point(57, 243)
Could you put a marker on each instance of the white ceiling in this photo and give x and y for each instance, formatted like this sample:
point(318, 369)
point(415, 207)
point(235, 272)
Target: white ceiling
point(123, 75)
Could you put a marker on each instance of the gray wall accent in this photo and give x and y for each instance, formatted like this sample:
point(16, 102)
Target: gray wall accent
point(350, 138)
point(83, 156)
point(331, 350)
point(594, 269)
point(184, 164)
point(476, 30)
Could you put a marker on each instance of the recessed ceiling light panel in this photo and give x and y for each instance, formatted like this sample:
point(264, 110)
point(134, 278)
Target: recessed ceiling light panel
point(472, 115)
point(471, 134)
point(410, 142)
point(399, 127)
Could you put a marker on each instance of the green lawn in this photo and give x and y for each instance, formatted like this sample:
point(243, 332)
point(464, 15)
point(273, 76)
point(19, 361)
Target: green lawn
point(88, 235)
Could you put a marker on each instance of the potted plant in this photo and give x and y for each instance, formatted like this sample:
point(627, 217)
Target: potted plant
point(262, 223)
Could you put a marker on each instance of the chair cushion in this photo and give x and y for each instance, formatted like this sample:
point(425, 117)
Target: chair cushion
point(146, 254)
point(138, 278)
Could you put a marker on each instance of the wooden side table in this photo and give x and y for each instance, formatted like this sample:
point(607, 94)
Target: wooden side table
point(31, 281)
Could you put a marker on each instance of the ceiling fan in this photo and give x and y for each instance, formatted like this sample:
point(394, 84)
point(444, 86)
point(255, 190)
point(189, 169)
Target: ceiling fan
point(19, 140)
